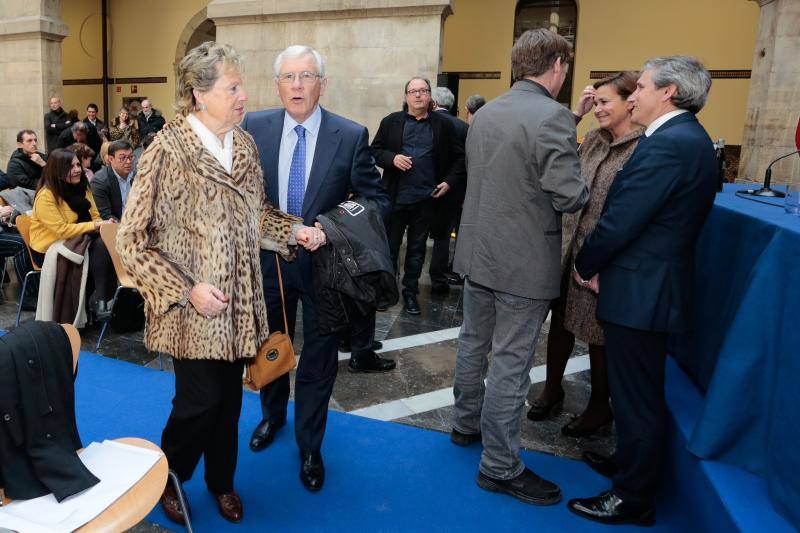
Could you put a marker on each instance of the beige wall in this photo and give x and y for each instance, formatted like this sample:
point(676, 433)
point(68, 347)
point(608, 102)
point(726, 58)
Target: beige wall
point(370, 52)
point(144, 36)
point(477, 39)
point(30, 67)
point(618, 34)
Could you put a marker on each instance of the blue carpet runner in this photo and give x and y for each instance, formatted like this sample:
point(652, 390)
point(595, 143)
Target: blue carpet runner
point(381, 476)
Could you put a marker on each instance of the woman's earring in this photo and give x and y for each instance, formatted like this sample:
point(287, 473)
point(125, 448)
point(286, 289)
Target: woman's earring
point(201, 107)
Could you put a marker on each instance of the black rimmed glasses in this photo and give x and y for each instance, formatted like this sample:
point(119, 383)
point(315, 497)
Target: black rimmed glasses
point(306, 77)
point(418, 92)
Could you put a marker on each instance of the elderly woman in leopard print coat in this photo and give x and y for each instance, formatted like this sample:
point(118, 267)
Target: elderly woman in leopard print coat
point(190, 237)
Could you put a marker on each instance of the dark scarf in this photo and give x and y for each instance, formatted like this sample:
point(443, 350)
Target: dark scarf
point(75, 196)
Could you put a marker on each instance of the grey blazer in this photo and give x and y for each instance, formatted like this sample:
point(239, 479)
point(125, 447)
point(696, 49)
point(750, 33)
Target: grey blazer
point(522, 163)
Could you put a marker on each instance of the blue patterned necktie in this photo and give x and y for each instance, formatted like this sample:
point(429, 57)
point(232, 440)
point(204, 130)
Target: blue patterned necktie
point(297, 175)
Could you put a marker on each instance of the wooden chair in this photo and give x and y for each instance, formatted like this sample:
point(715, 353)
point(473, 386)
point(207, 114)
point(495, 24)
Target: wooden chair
point(108, 232)
point(24, 226)
point(139, 500)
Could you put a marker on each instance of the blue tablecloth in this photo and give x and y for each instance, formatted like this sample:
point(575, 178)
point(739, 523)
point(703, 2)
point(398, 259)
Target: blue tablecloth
point(745, 348)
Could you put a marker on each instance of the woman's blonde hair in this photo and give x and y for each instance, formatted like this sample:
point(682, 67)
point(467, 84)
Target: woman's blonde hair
point(199, 70)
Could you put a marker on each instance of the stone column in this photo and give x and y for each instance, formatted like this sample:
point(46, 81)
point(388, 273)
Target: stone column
point(30, 67)
point(773, 104)
point(371, 48)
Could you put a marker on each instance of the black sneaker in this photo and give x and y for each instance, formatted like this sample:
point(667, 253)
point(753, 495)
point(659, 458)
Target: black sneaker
point(526, 487)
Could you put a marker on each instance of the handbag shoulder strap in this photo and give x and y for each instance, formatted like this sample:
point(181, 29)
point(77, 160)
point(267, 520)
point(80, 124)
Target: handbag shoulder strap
point(283, 301)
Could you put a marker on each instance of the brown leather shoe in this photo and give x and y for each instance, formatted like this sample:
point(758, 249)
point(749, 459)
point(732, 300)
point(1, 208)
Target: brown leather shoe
point(230, 507)
point(171, 505)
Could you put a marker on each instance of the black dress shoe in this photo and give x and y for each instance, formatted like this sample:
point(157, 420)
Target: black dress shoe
point(578, 429)
point(264, 434)
point(440, 289)
point(608, 508)
point(344, 346)
point(410, 303)
point(464, 439)
point(542, 411)
point(526, 487)
point(370, 364)
point(312, 470)
point(599, 463)
point(455, 279)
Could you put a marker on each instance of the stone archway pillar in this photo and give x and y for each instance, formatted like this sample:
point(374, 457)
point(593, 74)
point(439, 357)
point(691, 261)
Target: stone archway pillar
point(30, 67)
point(370, 52)
point(773, 104)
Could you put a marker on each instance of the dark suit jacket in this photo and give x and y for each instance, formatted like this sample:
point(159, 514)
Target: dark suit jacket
point(107, 195)
point(643, 244)
point(94, 138)
point(456, 194)
point(342, 163)
point(38, 432)
point(448, 153)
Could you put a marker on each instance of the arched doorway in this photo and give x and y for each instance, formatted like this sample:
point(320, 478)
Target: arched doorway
point(560, 16)
point(199, 30)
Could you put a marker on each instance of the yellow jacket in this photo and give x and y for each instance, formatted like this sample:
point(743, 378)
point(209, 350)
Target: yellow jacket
point(52, 221)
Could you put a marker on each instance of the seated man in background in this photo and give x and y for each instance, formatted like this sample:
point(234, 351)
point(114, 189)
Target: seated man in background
point(112, 183)
point(77, 133)
point(26, 163)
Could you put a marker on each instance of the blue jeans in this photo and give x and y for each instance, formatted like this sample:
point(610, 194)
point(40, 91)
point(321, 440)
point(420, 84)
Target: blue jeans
point(508, 326)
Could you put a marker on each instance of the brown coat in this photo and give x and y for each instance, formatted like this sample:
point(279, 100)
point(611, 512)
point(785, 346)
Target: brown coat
point(188, 221)
point(601, 158)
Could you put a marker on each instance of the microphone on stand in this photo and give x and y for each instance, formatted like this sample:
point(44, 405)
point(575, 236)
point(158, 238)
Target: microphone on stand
point(766, 190)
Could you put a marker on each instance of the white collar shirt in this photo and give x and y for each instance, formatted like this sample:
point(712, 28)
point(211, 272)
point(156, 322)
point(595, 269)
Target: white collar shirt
point(288, 143)
point(221, 150)
point(124, 186)
point(660, 121)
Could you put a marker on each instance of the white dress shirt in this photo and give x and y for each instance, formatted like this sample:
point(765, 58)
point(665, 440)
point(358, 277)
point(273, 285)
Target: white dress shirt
point(124, 186)
point(222, 151)
point(288, 142)
point(660, 121)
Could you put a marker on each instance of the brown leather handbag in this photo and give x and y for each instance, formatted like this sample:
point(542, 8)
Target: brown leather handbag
point(276, 356)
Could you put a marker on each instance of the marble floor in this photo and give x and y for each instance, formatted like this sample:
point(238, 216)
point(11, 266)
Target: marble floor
point(418, 392)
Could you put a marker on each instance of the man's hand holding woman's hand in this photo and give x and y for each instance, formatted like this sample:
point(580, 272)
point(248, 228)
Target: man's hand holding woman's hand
point(311, 238)
point(208, 300)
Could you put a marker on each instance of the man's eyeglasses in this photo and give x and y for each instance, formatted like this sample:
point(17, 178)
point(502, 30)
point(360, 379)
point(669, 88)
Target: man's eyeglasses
point(418, 92)
point(124, 158)
point(305, 77)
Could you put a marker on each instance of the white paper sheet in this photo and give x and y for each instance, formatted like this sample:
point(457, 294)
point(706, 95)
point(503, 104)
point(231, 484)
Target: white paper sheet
point(118, 466)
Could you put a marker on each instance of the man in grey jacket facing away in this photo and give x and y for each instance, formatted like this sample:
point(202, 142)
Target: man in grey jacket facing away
point(523, 168)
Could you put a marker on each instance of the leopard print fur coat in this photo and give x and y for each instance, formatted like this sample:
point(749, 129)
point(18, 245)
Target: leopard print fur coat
point(188, 221)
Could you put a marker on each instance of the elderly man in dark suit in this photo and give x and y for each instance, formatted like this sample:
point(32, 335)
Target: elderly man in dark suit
point(422, 161)
point(642, 250)
point(448, 208)
point(523, 172)
point(312, 159)
point(111, 185)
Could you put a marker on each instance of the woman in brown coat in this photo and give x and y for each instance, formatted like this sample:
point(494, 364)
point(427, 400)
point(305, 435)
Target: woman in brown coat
point(603, 152)
point(190, 238)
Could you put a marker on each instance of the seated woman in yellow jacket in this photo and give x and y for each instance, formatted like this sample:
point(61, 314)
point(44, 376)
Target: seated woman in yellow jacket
point(64, 208)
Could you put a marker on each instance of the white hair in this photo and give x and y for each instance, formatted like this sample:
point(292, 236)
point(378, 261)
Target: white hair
point(443, 97)
point(299, 50)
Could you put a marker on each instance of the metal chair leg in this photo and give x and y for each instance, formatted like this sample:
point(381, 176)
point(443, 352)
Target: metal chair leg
point(181, 499)
point(105, 324)
point(22, 294)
